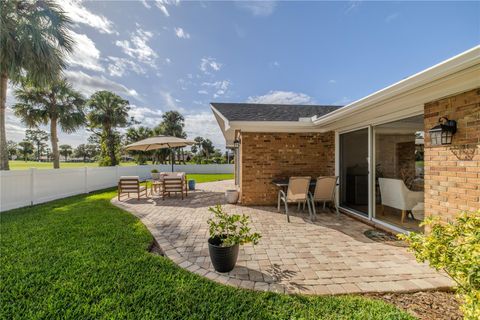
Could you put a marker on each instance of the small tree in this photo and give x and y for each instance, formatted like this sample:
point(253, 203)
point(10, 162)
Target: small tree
point(65, 150)
point(37, 138)
point(453, 247)
point(12, 147)
point(25, 148)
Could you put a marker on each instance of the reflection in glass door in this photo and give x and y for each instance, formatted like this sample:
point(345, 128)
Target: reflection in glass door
point(399, 174)
point(354, 171)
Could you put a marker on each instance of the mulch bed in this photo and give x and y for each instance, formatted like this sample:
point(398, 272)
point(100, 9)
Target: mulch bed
point(425, 305)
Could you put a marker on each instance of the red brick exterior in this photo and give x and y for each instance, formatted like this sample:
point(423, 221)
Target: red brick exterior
point(266, 156)
point(452, 173)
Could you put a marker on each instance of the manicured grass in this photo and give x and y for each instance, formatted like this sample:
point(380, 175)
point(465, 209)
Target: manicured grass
point(83, 258)
point(199, 178)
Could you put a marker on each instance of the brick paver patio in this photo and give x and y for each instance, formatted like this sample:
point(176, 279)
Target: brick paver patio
point(330, 256)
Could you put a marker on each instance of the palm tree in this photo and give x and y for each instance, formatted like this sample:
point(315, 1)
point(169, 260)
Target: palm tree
point(137, 134)
point(56, 103)
point(34, 40)
point(66, 150)
point(108, 111)
point(25, 149)
point(172, 125)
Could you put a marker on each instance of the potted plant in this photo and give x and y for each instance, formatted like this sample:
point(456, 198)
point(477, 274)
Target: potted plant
point(227, 233)
point(155, 174)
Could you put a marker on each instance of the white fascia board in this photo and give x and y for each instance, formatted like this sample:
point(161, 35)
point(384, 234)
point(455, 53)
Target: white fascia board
point(463, 61)
point(274, 126)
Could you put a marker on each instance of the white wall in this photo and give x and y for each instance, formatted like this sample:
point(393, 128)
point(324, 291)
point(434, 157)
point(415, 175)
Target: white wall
point(27, 187)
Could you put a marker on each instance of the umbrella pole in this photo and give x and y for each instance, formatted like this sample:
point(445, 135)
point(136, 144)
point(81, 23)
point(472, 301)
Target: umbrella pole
point(171, 157)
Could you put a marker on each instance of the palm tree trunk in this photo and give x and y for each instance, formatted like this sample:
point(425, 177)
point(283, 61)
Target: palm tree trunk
point(111, 148)
point(54, 141)
point(3, 139)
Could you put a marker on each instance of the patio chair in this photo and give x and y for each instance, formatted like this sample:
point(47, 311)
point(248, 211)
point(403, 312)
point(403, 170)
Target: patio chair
point(297, 192)
point(395, 194)
point(324, 192)
point(131, 184)
point(174, 182)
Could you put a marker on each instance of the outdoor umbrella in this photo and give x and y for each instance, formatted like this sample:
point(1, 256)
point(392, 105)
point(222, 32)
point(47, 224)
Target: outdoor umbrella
point(160, 142)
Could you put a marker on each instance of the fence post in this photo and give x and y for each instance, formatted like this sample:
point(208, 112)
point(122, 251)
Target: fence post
point(86, 179)
point(116, 174)
point(32, 186)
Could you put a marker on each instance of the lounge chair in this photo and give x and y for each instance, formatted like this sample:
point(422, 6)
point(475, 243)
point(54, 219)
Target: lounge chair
point(131, 184)
point(297, 192)
point(324, 192)
point(173, 182)
point(395, 194)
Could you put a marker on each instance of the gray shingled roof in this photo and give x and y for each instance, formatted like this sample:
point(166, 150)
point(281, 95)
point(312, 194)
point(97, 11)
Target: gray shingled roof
point(270, 112)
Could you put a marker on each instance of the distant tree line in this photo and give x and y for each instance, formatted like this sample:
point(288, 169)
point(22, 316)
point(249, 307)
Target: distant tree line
point(34, 44)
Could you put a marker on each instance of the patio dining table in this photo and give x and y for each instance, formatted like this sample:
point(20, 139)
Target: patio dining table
point(283, 183)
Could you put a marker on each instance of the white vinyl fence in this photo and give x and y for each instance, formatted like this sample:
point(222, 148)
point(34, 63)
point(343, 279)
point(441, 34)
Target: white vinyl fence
point(27, 187)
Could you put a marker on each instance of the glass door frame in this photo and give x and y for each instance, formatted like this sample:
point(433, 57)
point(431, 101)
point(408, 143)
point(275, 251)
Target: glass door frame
point(337, 170)
point(371, 169)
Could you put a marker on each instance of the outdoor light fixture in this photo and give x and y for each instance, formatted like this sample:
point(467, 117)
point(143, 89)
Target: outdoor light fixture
point(236, 143)
point(443, 132)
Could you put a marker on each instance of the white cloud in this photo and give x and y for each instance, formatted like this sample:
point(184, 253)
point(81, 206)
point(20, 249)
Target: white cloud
point(170, 101)
point(120, 66)
point(392, 17)
point(209, 64)
point(182, 34)
point(85, 54)
point(168, 61)
point(202, 91)
point(137, 47)
point(161, 5)
point(332, 81)
point(78, 13)
point(204, 124)
point(220, 87)
point(282, 97)
point(87, 84)
point(258, 8)
point(353, 5)
point(274, 64)
point(146, 116)
point(15, 129)
point(146, 4)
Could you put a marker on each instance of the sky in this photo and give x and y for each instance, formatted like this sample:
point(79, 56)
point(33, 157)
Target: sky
point(181, 55)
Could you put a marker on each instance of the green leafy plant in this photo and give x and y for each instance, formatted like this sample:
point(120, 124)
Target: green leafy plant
point(231, 229)
point(453, 247)
point(154, 171)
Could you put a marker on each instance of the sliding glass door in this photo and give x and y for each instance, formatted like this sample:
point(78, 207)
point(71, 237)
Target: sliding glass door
point(399, 183)
point(354, 176)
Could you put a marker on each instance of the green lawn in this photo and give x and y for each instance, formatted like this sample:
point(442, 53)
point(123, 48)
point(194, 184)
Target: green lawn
point(83, 258)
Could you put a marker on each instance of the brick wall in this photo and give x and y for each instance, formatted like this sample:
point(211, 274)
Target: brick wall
point(452, 172)
point(265, 156)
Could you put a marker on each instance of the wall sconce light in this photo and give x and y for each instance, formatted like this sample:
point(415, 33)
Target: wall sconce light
point(236, 143)
point(443, 132)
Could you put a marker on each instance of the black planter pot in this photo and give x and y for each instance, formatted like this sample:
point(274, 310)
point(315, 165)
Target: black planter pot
point(223, 258)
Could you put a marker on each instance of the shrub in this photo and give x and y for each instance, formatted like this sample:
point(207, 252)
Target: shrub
point(154, 171)
point(453, 247)
point(231, 229)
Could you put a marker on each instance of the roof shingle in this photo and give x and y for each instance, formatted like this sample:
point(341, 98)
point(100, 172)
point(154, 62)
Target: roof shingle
point(270, 112)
